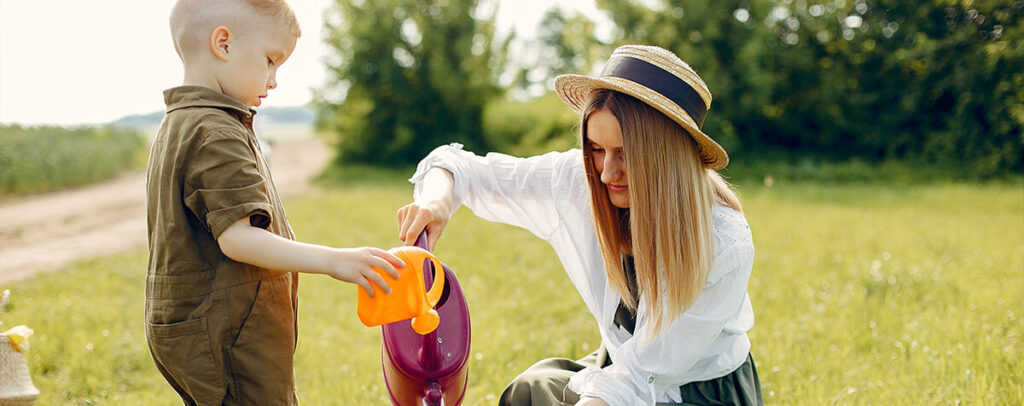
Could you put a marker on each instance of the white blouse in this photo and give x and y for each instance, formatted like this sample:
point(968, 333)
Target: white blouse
point(547, 195)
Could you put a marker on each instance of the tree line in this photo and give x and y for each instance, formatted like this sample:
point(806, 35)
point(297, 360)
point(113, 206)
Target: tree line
point(936, 83)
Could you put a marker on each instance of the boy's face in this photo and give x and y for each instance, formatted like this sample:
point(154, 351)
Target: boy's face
point(252, 69)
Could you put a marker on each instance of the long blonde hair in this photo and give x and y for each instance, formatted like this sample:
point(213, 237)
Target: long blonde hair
point(668, 226)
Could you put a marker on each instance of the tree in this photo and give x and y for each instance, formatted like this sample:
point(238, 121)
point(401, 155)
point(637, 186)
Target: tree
point(936, 81)
point(724, 43)
point(532, 119)
point(411, 75)
point(563, 44)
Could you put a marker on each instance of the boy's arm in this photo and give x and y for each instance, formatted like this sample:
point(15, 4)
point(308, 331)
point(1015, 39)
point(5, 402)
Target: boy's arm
point(255, 246)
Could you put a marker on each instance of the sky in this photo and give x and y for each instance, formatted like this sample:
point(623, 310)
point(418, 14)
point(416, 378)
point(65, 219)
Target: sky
point(73, 62)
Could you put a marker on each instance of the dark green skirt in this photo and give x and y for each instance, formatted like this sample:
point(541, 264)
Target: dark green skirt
point(545, 382)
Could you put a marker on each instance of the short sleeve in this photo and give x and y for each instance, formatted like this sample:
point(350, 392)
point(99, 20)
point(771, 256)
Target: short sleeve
point(226, 184)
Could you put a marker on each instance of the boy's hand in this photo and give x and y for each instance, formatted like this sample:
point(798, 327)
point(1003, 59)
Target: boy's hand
point(355, 265)
point(413, 218)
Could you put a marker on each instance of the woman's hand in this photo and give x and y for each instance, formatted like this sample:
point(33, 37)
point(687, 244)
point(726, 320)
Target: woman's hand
point(431, 210)
point(413, 218)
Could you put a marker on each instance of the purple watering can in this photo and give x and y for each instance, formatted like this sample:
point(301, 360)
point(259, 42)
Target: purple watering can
point(430, 369)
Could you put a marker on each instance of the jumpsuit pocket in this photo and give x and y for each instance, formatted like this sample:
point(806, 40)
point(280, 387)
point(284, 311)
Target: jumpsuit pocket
point(260, 360)
point(185, 356)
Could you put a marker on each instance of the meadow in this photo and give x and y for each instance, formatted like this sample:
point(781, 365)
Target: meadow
point(47, 158)
point(864, 293)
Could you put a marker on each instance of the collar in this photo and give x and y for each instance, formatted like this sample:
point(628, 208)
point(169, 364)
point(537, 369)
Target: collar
point(201, 96)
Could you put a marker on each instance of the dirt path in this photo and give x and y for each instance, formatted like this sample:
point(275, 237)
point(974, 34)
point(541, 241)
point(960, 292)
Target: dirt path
point(46, 232)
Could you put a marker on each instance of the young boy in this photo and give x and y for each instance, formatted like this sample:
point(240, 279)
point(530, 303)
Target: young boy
point(221, 285)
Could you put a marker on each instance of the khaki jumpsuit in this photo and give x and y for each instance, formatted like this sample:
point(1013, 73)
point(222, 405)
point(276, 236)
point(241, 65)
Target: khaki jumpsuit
point(220, 331)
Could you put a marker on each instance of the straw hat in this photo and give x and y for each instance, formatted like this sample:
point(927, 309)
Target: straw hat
point(659, 78)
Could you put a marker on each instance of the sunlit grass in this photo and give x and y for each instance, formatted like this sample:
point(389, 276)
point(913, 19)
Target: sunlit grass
point(42, 159)
point(868, 294)
point(864, 294)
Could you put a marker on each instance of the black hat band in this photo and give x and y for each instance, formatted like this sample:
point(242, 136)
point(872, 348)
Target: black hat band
point(659, 80)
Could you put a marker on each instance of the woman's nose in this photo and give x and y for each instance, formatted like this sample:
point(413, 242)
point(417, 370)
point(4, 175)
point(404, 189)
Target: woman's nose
point(613, 169)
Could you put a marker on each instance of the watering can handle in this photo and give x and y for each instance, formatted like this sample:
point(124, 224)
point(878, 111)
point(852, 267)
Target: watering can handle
point(421, 241)
point(437, 287)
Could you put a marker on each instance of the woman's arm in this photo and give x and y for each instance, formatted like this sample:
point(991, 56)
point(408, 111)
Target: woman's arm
point(523, 192)
point(431, 210)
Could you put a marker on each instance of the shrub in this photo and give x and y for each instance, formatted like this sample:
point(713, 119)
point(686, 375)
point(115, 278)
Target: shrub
point(531, 127)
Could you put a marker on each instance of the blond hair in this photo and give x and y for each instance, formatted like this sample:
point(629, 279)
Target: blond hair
point(668, 227)
point(279, 10)
point(193, 20)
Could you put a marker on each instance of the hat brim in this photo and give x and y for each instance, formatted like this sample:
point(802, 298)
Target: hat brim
point(575, 89)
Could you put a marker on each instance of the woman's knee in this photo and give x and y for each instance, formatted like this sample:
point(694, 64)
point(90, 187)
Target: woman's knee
point(538, 388)
point(516, 393)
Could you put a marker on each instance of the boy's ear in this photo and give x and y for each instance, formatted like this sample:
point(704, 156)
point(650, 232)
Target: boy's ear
point(220, 42)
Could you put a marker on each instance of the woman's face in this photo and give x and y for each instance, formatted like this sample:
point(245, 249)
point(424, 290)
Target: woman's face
point(605, 138)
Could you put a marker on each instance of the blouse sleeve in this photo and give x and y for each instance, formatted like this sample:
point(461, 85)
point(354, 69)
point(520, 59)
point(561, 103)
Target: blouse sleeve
point(641, 369)
point(518, 191)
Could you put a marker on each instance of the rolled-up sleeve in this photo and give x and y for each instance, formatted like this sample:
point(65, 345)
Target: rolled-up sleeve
point(225, 184)
point(506, 189)
point(643, 368)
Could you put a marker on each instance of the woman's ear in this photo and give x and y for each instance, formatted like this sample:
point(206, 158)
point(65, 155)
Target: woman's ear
point(220, 42)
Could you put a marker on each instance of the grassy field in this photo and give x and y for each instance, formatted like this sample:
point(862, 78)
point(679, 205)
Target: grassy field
point(42, 159)
point(864, 294)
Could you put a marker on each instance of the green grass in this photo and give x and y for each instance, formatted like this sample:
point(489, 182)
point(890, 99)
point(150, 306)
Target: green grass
point(864, 294)
point(867, 294)
point(41, 159)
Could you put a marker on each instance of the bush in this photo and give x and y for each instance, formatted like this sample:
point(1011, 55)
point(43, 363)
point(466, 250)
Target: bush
point(40, 159)
point(936, 81)
point(531, 127)
point(410, 76)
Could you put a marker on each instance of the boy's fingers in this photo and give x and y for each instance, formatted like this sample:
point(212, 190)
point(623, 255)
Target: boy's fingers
point(378, 280)
point(365, 285)
point(391, 259)
point(386, 266)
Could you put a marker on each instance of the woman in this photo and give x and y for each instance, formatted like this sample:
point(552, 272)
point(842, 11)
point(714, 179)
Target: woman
point(650, 235)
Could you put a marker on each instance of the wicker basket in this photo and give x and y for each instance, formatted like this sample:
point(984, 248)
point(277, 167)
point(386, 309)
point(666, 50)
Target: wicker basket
point(16, 387)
